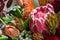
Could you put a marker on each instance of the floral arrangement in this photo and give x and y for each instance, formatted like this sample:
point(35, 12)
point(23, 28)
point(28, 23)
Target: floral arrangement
point(26, 22)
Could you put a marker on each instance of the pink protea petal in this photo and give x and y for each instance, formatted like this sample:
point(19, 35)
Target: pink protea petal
point(38, 16)
point(50, 8)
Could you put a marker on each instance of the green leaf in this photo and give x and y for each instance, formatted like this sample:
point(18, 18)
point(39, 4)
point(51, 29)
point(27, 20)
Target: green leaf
point(4, 37)
point(12, 12)
point(56, 22)
point(6, 19)
point(26, 22)
point(3, 22)
point(50, 24)
point(12, 17)
point(53, 31)
point(19, 12)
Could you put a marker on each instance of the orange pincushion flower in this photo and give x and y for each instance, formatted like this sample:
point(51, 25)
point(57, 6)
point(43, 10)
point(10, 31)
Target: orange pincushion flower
point(28, 7)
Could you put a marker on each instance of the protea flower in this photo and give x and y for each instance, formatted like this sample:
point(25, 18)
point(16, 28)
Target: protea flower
point(38, 17)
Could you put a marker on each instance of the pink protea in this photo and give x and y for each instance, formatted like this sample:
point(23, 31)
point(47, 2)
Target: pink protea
point(38, 16)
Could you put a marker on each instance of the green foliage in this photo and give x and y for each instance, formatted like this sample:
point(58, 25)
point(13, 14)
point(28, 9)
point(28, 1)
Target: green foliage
point(17, 11)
